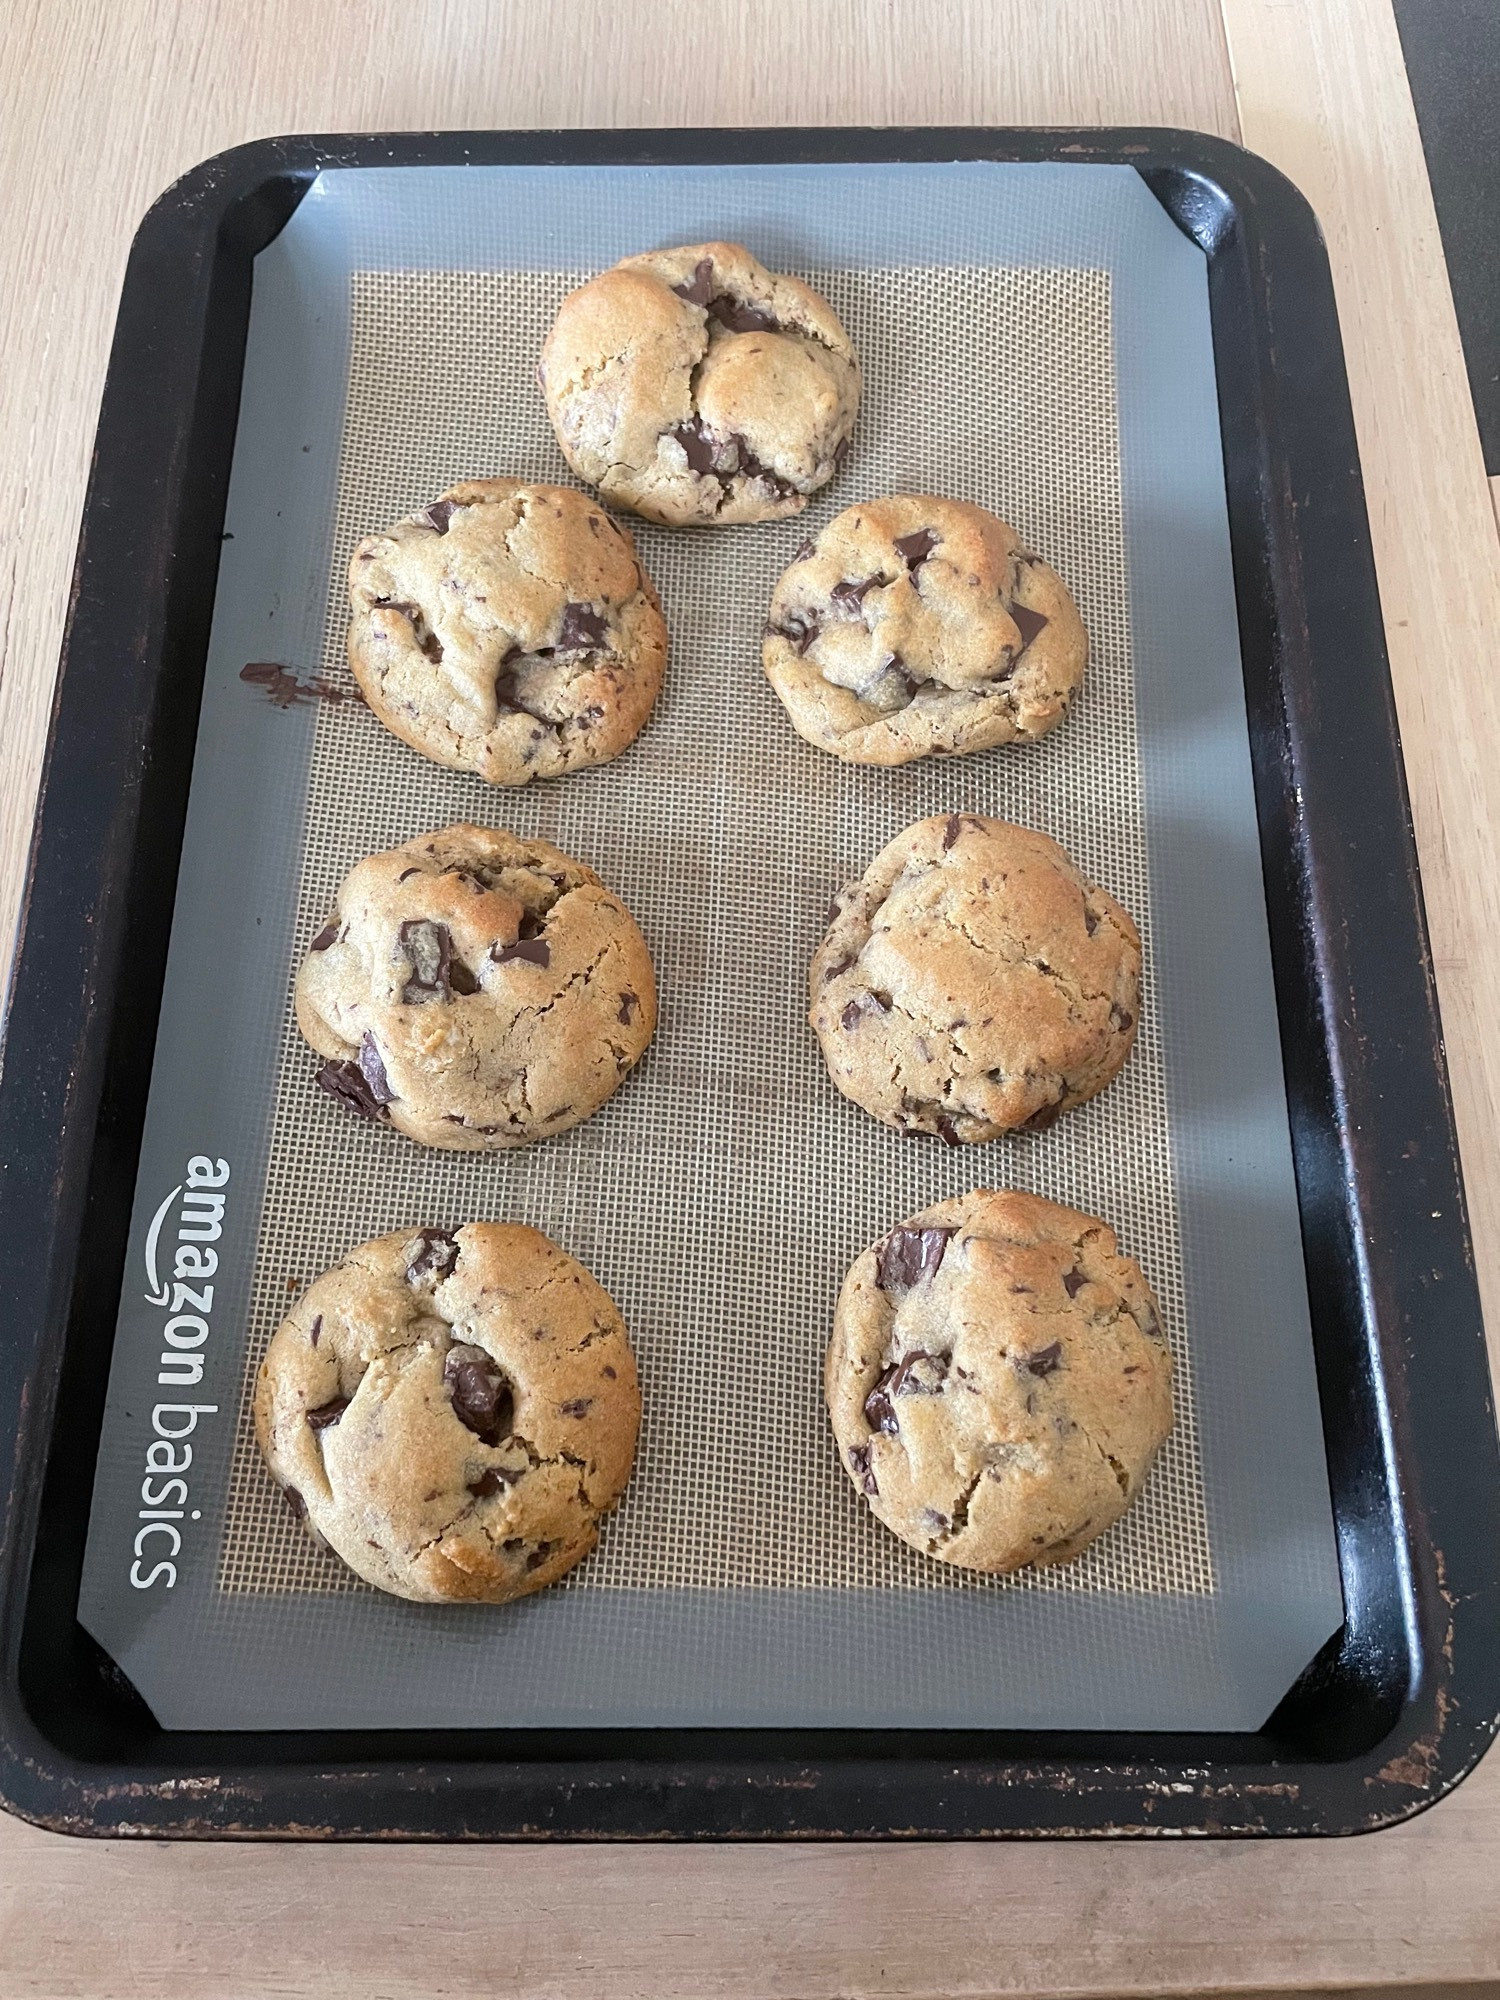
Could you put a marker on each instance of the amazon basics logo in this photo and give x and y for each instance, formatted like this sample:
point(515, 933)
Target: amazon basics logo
point(180, 1266)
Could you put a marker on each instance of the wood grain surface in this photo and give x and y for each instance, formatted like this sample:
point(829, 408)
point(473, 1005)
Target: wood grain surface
point(100, 107)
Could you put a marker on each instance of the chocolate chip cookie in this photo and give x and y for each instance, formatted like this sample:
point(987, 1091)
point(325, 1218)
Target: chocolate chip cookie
point(694, 385)
point(477, 989)
point(507, 629)
point(915, 627)
point(452, 1413)
point(998, 1380)
point(974, 982)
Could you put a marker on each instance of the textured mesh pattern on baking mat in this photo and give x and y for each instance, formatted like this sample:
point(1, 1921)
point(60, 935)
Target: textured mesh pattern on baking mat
point(723, 1192)
point(1036, 339)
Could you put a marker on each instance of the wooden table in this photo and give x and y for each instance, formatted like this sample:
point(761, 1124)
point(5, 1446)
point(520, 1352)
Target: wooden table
point(102, 105)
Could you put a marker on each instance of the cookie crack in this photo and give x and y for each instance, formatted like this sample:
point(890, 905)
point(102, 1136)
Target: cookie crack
point(939, 701)
point(1116, 1466)
point(1073, 991)
point(958, 1520)
point(585, 974)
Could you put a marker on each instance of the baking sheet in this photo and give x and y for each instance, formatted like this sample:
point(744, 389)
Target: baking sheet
point(1035, 339)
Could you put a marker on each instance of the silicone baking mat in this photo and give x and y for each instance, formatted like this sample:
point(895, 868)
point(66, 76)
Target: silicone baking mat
point(1034, 339)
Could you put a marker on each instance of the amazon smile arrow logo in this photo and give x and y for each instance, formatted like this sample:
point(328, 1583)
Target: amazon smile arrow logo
point(158, 1293)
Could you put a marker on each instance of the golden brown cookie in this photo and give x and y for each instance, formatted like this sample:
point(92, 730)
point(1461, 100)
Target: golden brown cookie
point(694, 385)
point(507, 629)
point(476, 989)
point(914, 626)
point(973, 981)
point(998, 1380)
point(452, 1413)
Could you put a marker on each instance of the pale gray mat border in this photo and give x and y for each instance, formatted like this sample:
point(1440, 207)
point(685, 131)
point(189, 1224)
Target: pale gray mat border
point(708, 1657)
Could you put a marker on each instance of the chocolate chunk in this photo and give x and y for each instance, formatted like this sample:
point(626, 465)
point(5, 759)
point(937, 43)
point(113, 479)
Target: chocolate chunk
point(915, 1375)
point(346, 1083)
point(610, 1373)
point(746, 462)
point(865, 1003)
point(859, 1462)
point(372, 1068)
point(628, 1005)
point(1073, 1283)
point(951, 831)
point(438, 1255)
point(579, 1407)
point(849, 596)
point(492, 1480)
point(799, 629)
point(908, 1256)
point(947, 1131)
point(835, 971)
point(439, 514)
point(1043, 1120)
point(700, 450)
point(583, 629)
point(327, 936)
point(534, 951)
point(1121, 1019)
point(879, 1413)
point(327, 1414)
point(737, 317)
point(840, 453)
point(461, 980)
point(803, 551)
point(1045, 1361)
point(429, 946)
point(295, 1501)
point(700, 287)
point(314, 1330)
point(919, 1373)
point(1028, 623)
point(916, 548)
point(482, 1398)
point(540, 1554)
point(428, 642)
point(1090, 921)
point(895, 664)
point(725, 458)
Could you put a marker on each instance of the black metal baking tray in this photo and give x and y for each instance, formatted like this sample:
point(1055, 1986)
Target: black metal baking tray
point(1397, 1707)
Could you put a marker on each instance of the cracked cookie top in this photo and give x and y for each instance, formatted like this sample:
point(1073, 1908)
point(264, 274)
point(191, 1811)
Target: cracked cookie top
point(694, 385)
point(915, 626)
point(452, 1412)
point(477, 990)
point(998, 1380)
point(973, 982)
point(507, 629)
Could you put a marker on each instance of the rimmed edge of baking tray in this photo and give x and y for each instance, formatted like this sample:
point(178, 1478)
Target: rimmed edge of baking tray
point(1397, 1708)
